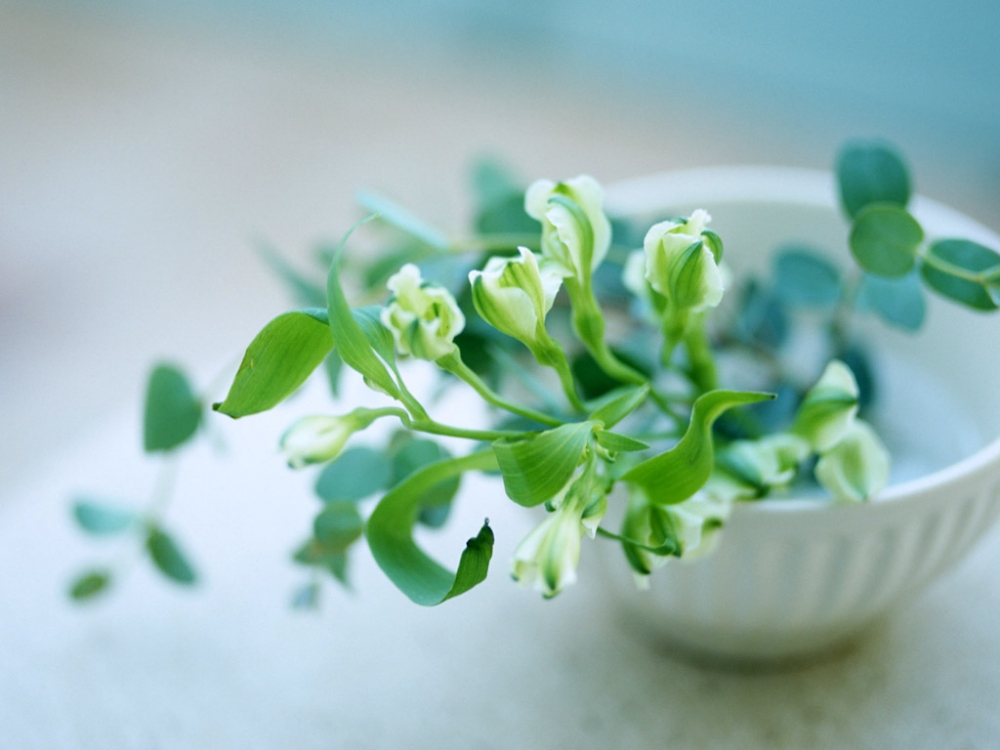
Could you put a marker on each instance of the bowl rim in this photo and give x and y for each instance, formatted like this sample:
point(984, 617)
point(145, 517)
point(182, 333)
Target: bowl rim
point(812, 188)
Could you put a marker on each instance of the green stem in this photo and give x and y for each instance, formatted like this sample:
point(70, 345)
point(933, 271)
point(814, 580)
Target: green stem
point(702, 364)
point(550, 354)
point(453, 363)
point(588, 322)
point(841, 320)
point(436, 428)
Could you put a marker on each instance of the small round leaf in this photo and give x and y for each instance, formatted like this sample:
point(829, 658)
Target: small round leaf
point(805, 278)
point(168, 558)
point(884, 240)
point(89, 585)
point(963, 256)
point(871, 172)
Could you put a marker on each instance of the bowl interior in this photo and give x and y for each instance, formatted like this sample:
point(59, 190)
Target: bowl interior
point(938, 397)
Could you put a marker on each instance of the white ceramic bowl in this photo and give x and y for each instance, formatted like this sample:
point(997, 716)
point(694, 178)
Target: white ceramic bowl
point(791, 578)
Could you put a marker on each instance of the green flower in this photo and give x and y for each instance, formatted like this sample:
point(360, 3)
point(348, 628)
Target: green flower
point(317, 439)
point(513, 295)
point(548, 556)
point(681, 264)
point(423, 317)
point(857, 467)
point(829, 408)
point(748, 469)
point(576, 234)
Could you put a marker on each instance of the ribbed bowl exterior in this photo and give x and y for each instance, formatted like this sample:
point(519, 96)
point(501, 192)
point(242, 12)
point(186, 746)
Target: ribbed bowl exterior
point(790, 579)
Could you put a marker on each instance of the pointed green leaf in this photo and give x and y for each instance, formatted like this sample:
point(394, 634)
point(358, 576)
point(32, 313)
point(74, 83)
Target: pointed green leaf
point(534, 469)
point(306, 291)
point(390, 536)
point(313, 554)
point(172, 413)
point(380, 337)
point(871, 172)
point(958, 258)
point(614, 410)
point(618, 443)
point(677, 474)
point(168, 558)
point(354, 475)
point(884, 240)
point(355, 348)
point(333, 365)
point(89, 585)
point(435, 504)
point(338, 526)
point(277, 362)
point(899, 302)
point(805, 278)
point(395, 215)
point(100, 519)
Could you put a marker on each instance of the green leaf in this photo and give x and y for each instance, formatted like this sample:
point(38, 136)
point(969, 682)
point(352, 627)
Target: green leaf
point(89, 585)
point(871, 172)
point(761, 320)
point(677, 474)
point(435, 504)
point(899, 302)
point(277, 362)
point(950, 260)
point(168, 558)
point(338, 526)
point(355, 348)
point(618, 443)
point(534, 469)
point(354, 475)
point(395, 215)
point(100, 519)
point(390, 536)
point(307, 596)
point(369, 321)
point(172, 413)
point(313, 554)
point(333, 365)
point(614, 410)
point(378, 272)
point(805, 278)
point(884, 240)
point(492, 181)
point(306, 291)
point(594, 382)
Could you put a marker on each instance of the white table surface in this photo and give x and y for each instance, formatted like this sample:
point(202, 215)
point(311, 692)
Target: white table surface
point(142, 162)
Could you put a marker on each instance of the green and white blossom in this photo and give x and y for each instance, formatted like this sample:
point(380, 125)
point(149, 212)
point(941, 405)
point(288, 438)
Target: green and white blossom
point(423, 317)
point(681, 265)
point(514, 295)
point(748, 469)
point(857, 467)
point(317, 439)
point(829, 408)
point(547, 558)
point(576, 233)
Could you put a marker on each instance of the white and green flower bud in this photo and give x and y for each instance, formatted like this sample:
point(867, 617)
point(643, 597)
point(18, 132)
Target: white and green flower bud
point(318, 439)
point(576, 233)
point(514, 295)
point(423, 317)
point(681, 264)
point(549, 555)
point(749, 469)
point(857, 467)
point(829, 408)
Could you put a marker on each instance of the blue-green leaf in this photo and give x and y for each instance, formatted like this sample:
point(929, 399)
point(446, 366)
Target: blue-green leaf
point(804, 277)
point(100, 519)
point(89, 584)
point(354, 475)
point(390, 536)
point(278, 361)
point(435, 504)
point(958, 258)
point(355, 348)
point(871, 172)
point(534, 469)
point(168, 557)
point(395, 215)
point(677, 474)
point(884, 240)
point(172, 413)
point(338, 526)
point(899, 302)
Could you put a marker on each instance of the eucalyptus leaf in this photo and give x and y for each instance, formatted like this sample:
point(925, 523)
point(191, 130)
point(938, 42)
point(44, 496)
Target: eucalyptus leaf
point(762, 319)
point(354, 475)
point(277, 362)
point(100, 519)
point(168, 557)
point(390, 536)
point(355, 348)
point(884, 240)
point(536, 468)
point(675, 475)
point(871, 172)
point(172, 412)
point(805, 278)
point(89, 584)
point(957, 258)
point(312, 553)
point(899, 302)
point(338, 526)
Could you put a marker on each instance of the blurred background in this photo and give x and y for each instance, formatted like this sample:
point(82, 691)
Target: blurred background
point(146, 145)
